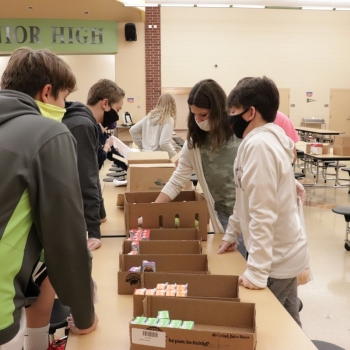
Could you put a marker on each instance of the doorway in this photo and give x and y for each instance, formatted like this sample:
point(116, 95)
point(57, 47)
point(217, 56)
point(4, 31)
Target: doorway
point(339, 110)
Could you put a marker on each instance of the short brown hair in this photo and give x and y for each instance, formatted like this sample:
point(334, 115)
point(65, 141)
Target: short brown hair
point(105, 88)
point(29, 70)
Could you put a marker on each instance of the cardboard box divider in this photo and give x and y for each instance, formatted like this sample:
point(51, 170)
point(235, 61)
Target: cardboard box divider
point(165, 247)
point(217, 324)
point(223, 287)
point(188, 209)
point(184, 263)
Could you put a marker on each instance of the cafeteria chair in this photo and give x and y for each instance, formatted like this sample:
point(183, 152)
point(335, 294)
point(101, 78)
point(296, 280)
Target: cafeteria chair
point(331, 164)
point(323, 345)
point(58, 319)
point(348, 170)
point(346, 212)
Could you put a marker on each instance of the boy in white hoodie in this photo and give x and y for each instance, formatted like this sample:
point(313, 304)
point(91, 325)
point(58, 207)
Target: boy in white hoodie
point(266, 210)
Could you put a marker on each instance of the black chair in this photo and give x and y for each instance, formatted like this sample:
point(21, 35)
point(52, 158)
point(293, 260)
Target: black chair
point(348, 171)
point(58, 319)
point(323, 345)
point(330, 164)
point(346, 212)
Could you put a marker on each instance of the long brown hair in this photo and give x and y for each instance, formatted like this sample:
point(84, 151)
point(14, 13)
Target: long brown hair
point(208, 94)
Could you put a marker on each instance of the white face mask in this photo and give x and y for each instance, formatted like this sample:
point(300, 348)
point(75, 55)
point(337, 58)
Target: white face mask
point(204, 125)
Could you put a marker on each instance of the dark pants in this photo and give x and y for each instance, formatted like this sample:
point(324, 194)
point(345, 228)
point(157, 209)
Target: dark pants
point(286, 291)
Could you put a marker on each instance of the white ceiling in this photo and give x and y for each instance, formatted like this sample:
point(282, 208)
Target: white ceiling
point(282, 3)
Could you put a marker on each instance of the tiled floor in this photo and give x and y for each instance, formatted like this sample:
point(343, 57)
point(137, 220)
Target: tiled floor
point(326, 299)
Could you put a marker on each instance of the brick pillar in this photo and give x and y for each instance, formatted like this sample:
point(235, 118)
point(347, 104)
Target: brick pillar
point(153, 63)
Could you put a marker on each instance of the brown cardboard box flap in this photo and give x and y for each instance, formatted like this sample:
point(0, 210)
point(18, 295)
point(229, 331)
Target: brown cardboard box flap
point(341, 151)
point(148, 157)
point(165, 247)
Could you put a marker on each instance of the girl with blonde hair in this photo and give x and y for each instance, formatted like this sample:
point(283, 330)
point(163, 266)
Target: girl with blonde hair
point(157, 127)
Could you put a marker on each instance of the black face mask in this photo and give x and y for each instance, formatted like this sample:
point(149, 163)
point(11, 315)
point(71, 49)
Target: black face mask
point(238, 124)
point(110, 117)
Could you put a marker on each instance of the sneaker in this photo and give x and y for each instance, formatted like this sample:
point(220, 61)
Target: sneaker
point(119, 182)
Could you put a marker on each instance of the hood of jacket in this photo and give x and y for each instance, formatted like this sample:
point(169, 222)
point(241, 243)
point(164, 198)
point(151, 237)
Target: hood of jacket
point(15, 104)
point(280, 134)
point(74, 109)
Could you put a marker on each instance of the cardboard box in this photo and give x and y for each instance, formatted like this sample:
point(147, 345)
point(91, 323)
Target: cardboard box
point(149, 177)
point(223, 287)
point(341, 145)
point(148, 157)
point(341, 151)
point(189, 209)
point(150, 171)
point(217, 325)
point(342, 140)
point(326, 148)
point(184, 263)
point(165, 247)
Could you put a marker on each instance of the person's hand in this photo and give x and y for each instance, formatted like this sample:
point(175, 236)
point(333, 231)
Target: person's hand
point(243, 281)
point(109, 142)
point(78, 331)
point(226, 247)
point(300, 191)
point(93, 243)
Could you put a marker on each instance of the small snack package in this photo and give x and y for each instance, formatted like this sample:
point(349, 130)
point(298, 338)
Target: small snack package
point(187, 325)
point(172, 286)
point(182, 286)
point(175, 324)
point(163, 314)
point(140, 291)
point(162, 286)
point(135, 247)
point(181, 293)
point(135, 269)
point(148, 266)
point(170, 293)
point(151, 321)
point(145, 234)
point(163, 322)
point(133, 252)
point(161, 292)
point(139, 320)
point(150, 292)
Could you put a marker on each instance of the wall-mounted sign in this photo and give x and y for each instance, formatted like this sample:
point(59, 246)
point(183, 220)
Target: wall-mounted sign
point(59, 35)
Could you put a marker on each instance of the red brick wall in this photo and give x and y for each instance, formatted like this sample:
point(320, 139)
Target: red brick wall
point(153, 59)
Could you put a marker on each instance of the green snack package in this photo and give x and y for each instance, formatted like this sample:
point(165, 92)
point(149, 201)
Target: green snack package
point(163, 314)
point(187, 325)
point(175, 324)
point(163, 322)
point(151, 321)
point(139, 320)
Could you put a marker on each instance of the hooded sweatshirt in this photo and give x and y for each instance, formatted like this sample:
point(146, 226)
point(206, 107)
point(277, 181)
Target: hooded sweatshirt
point(82, 124)
point(155, 137)
point(266, 210)
point(41, 208)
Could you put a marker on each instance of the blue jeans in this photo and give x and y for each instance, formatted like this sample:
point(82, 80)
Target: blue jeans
point(223, 218)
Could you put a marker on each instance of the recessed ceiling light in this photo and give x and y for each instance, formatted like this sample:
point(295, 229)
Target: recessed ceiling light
point(86, 12)
point(30, 7)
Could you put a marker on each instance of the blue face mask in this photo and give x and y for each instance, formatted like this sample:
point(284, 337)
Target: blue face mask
point(239, 124)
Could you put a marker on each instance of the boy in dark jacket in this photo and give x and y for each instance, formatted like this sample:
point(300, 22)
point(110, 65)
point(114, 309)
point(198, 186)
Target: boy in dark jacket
point(40, 194)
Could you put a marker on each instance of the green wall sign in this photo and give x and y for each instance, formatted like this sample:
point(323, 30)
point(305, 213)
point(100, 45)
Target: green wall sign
point(61, 36)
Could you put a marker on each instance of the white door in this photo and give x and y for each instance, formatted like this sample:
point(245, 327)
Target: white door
point(339, 110)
